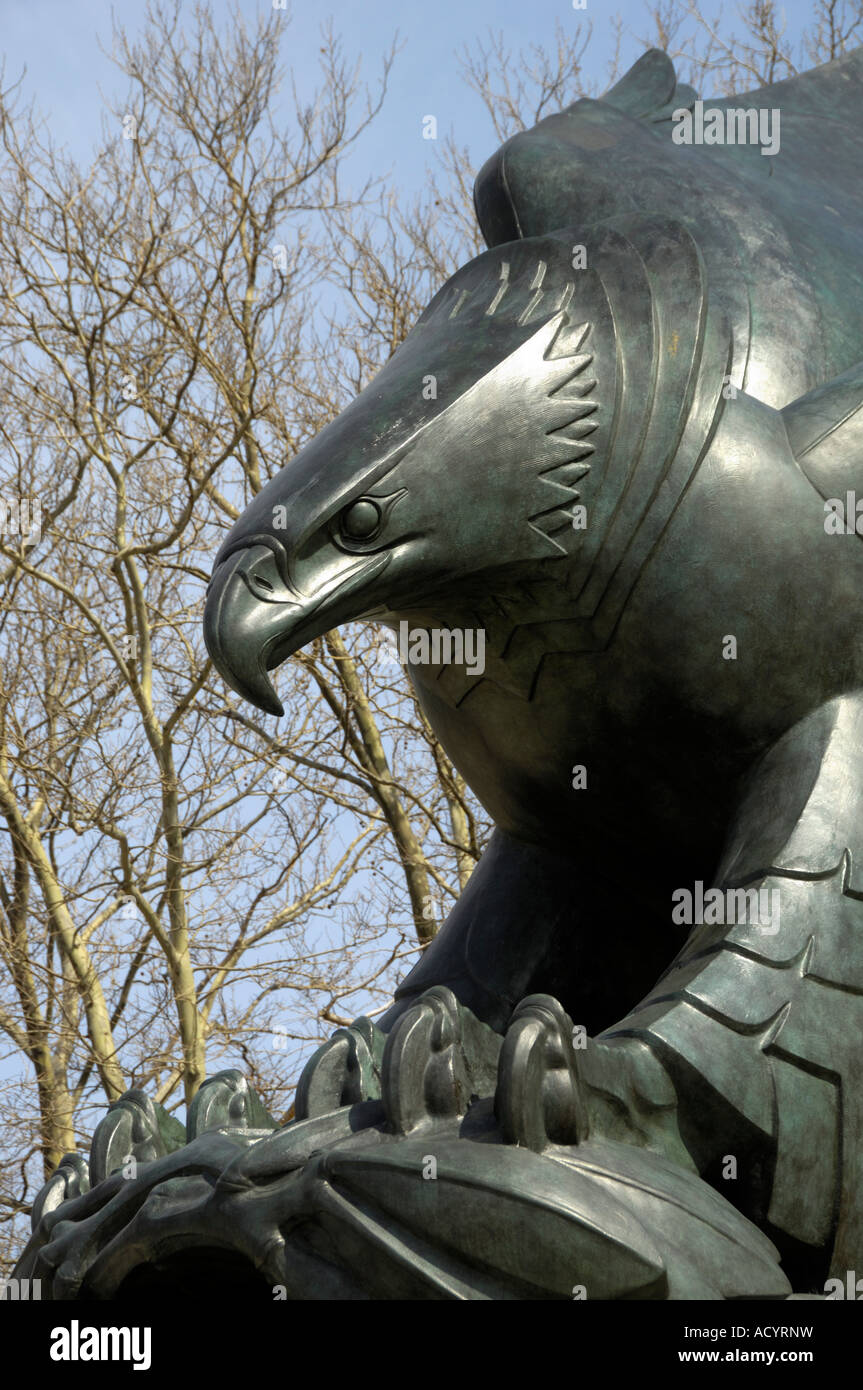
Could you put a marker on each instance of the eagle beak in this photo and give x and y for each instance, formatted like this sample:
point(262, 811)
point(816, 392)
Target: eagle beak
point(246, 614)
point(253, 621)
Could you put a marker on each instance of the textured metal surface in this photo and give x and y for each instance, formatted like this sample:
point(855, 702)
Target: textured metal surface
point(697, 387)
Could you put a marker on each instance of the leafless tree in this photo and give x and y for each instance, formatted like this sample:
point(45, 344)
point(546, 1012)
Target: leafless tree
point(184, 884)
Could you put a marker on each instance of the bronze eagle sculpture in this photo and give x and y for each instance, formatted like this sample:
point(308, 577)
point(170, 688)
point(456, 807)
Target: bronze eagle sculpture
point(635, 479)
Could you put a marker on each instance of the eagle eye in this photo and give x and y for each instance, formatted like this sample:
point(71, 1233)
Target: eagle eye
point(361, 521)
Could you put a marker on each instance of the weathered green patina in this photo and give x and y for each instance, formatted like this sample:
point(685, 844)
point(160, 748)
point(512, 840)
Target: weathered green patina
point(649, 393)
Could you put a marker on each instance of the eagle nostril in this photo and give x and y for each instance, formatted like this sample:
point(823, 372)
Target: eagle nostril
point(264, 584)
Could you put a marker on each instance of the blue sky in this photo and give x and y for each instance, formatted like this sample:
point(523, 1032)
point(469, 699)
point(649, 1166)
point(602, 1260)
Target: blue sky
point(72, 80)
point(67, 73)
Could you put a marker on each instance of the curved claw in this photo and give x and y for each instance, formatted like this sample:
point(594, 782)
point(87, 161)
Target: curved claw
point(227, 1101)
point(540, 1098)
point(344, 1071)
point(135, 1127)
point(437, 1058)
point(70, 1179)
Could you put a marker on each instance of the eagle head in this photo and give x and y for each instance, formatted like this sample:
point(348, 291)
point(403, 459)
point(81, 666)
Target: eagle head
point(457, 463)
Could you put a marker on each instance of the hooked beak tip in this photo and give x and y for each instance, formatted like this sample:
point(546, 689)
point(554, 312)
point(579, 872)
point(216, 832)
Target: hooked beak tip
point(236, 637)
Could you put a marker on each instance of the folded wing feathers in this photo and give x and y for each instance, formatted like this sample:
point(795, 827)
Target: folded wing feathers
point(567, 427)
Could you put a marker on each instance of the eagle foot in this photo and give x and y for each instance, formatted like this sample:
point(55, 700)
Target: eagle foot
point(556, 1086)
point(465, 1119)
point(136, 1149)
point(437, 1056)
point(550, 1083)
point(137, 1130)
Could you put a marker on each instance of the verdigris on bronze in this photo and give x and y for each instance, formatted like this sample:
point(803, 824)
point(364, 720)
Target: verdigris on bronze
point(649, 395)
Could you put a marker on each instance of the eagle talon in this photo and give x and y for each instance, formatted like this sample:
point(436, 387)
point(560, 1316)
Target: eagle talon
point(70, 1179)
point(344, 1071)
point(227, 1101)
point(437, 1058)
point(554, 1090)
point(135, 1127)
point(540, 1097)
